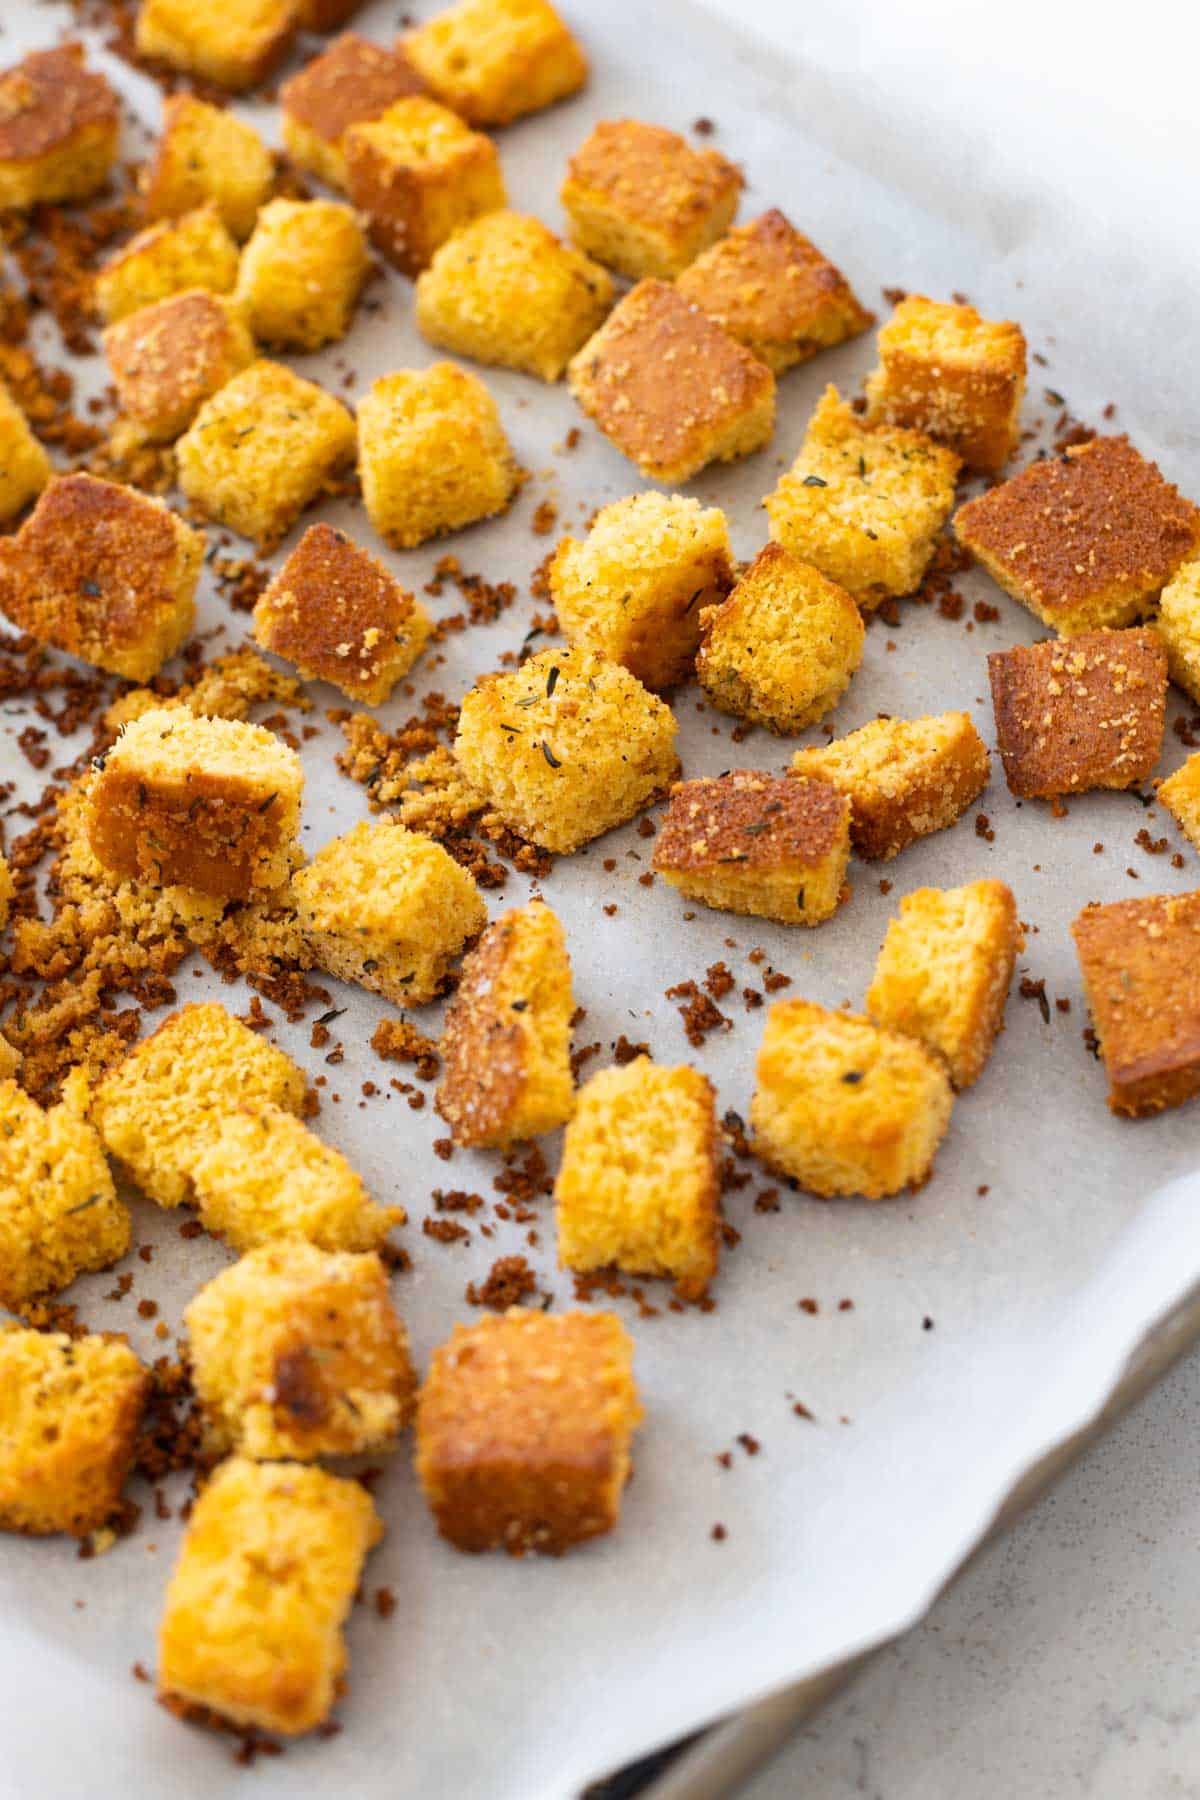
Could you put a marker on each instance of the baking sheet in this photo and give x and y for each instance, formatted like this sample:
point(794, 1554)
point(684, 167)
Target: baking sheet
point(523, 1680)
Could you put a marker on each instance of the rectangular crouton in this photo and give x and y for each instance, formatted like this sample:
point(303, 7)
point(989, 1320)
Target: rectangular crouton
point(8, 891)
point(170, 257)
point(169, 358)
point(348, 84)
point(302, 272)
point(60, 125)
point(1180, 794)
point(1140, 961)
point(493, 61)
point(25, 467)
point(419, 173)
point(945, 370)
point(234, 45)
point(1178, 625)
point(207, 156)
point(640, 199)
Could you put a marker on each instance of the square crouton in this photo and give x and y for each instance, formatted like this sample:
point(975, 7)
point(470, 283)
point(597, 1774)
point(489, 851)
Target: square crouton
point(59, 1212)
point(845, 1107)
point(59, 128)
point(638, 1188)
point(336, 613)
point(781, 649)
point(348, 84)
point(506, 1044)
point(1140, 961)
point(298, 1352)
point(1084, 540)
point(669, 388)
point(234, 45)
point(566, 747)
point(262, 449)
point(641, 200)
point(505, 290)
point(945, 370)
point(210, 804)
point(207, 156)
point(388, 908)
point(1086, 712)
point(432, 454)
point(265, 1578)
point(69, 1414)
point(169, 358)
point(749, 842)
point(170, 257)
point(104, 573)
point(419, 174)
point(863, 505)
point(25, 467)
point(493, 61)
point(904, 778)
point(1178, 625)
point(302, 272)
point(523, 1430)
point(157, 1109)
point(1180, 794)
point(635, 588)
point(772, 290)
point(944, 971)
point(8, 892)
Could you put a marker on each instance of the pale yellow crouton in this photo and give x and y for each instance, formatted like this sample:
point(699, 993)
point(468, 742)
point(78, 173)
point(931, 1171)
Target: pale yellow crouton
point(493, 61)
point(59, 129)
point(904, 777)
point(1180, 794)
point(419, 173)
point(169, 358)
point(302, 272)
point(234, 45)
point(640, 198)
point(351, 82)
point(25, 467)
point(1178, 625)
point(945, 370)
point(171, 257)
point(206, 155)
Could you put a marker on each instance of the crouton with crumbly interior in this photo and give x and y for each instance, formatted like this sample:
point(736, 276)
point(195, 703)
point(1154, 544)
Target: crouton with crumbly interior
point(1140, 961)
point(205, 156)
point(169, 358)
point(348, 84)
point(234, 45)
point(25, 467)
point(419, 173)
point(302, 272)
point(1178, 625)
point(60, 127)
point(493, 61)
point(947, 371)
point(1180, 794)
point(170, 257)
point(642, 200)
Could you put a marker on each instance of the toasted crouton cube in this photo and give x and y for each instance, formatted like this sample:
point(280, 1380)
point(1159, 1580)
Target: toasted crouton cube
point(262, 449)
point(904, 777)
point(506, 1045)
point(234, 45)
point(432, 454)
point(171, 257)
point(10, 1059)
point(351, 82)
point(1084, 540)
point(169, 358)
point(298, 1352)
point(388, 908)
point(944, 971)
point(168, 1097)
point(635, 588)
point(493, 61)
point(1180, 794)
point(523, 1430)
point(59, 128)
point(103, 572)
point(302, 272)
point(24, 466)
point(638, 1187)
point(1081, 713)
point(419, 174)
point(669, 388)
point(949, 372)
point(8, 890)
point(845, 1107)
point(1178, 624)
point(264, 1581)
point(640, 199)
point(69, 1414)
point(781, 649)
point(772, 290)
point(1140, 961)
point(324, 15)
point(566, 746)
point(207, 156)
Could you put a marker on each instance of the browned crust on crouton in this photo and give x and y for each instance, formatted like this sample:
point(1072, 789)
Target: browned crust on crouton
point(1141, 970)
point(49, 98)
point(761, 821)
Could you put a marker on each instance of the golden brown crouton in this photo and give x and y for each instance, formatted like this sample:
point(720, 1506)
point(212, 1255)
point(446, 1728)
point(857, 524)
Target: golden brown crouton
point(167, 359)
point(171, 257)
point(25, 467)
point(493, 61)
point(351, 82)
point(59, 129)
point(1141, 972)
point(1180, 794)
point(640, 199)
point(302, 272)
point(904, 777)
point(234, 45)
point(419, 174)
point(1178, 625)
point(207, 156)
point(945, 370)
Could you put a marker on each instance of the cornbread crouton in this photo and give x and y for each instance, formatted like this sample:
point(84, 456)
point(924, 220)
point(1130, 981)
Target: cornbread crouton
point(1083, 713)
point(69, 1414)
point(638, 1187)
point(8, 889)
point(171, 257)
point(904, 778)
point(10, 1059)
point(207, 156)
point(669, 388)
point(234, 45)
point(1180, 794)
point(104, 573)
point(945, 370)
point(302, 272)
point(419, 173)
point(388, 908)
point(781, 649)
point(262, 449)
point(59, 1212)
point(1140, 961)
point(351, 82)
point(265, 1578)
point(505, 290)
point(59, 128)
point(336, 613)
point(772, 290)
point(944, 971)
point(640, 199)
point(324, 15)
point(863, 505)
point(635, 588)
point(1084, 540)
point(298, 1352)
point(1178, 625)
point(183, 801)
point(432, 454)
point(493, 61)
point(506, 1045)
point(523, 1430)
point(845, 1107)
point(566, 746)
point(24, 466)
point(171, 1094)
point(169, 358)
point(749, 842)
